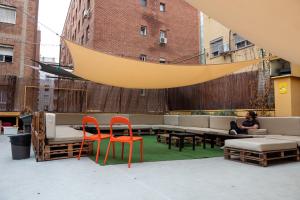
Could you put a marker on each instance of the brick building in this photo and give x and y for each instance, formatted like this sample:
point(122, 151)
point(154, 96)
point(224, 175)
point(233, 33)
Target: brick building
point(19, 37)
point(150, 30)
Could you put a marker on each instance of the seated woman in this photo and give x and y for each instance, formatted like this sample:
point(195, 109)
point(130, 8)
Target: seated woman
point(249, 123)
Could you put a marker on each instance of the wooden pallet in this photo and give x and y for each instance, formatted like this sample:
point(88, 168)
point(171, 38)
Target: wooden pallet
point(164, 138)
point(66, 150)
point(261, 158)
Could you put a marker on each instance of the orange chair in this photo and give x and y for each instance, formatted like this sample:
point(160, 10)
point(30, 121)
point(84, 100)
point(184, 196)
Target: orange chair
point(123, 139)
point(91, 120)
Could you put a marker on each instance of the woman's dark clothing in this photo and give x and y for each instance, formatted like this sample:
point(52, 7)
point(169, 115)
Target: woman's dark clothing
point(246, 123)
point(249, 123)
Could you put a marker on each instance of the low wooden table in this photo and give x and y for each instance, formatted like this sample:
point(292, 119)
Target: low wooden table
point(212, 136)
point(181, 137)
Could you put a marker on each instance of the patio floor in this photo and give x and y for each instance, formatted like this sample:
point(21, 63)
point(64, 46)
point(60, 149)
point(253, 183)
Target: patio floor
point(211, 178)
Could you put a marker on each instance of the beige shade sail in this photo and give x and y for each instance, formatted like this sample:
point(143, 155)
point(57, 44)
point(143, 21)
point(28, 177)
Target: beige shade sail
point(270, 24)
point(128, 73)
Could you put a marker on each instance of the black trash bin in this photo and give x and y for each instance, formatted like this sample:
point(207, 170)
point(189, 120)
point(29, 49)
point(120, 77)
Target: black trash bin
point(20, 146)
point(26, 119)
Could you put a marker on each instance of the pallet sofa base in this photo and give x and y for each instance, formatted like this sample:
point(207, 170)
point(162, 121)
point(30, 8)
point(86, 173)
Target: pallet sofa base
point(261, 158)
point(46, 150)
point(56, 151)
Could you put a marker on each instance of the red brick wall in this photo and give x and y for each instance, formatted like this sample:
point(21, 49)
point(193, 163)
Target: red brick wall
point(10, 34)
point(115, 28)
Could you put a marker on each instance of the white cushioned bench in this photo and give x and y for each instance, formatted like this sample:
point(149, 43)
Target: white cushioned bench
point(260, 144)
point(285, 137)
point(261, 150)
point(65, 134)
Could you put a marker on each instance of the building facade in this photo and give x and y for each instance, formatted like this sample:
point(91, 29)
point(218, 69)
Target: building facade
point(19, 37)
point(223, 45)
point(149, 30)
point(47, 95)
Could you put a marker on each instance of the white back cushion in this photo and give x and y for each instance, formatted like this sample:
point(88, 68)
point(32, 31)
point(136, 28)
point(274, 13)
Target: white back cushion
point(171, 120)
point(50, 125)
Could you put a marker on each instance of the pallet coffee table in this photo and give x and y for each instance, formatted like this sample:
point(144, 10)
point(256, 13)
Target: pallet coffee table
point(181, 137)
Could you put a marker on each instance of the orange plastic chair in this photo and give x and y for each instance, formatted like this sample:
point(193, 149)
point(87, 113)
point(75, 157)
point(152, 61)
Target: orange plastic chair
point(98, 137)
point(123, 139)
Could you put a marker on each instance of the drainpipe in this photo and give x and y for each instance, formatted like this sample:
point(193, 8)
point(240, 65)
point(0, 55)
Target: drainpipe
point(229, 45)
point(201, 43)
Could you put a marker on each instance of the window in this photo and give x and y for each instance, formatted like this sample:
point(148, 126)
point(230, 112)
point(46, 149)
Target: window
point(143, 3)
point(143, 57)
point(143, 30)
point(87, 34)
point(162, 60)
point(240, 42)
point(7, 14)
point(162, 34)
point(3, 96)
point(78, 27)
point(162, 7)
point(216, 47)
point(142, 92)
point(6, 53)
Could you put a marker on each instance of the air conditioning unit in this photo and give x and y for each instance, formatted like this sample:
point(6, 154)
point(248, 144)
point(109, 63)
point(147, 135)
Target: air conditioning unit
point(163, 40)
point(224, 50)
point(87, 13)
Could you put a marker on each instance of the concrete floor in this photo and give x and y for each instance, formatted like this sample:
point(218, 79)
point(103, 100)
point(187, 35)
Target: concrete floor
point(213, 178)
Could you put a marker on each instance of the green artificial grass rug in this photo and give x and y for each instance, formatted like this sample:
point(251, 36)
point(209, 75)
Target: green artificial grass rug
point(154, 151)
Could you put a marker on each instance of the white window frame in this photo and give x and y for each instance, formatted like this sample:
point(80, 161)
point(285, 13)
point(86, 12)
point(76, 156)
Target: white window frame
point(12, 9)
point(142, 92)
point(162, 7)
point(143, 30)
point(4, 55)
point(143, 57)
point(162, 34)
point(162, 60)
point(220, 47)
point(239, 40)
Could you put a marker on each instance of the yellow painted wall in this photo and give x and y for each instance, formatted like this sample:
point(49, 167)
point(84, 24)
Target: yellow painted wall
point(295, 96)
point(287, 103)
point(295, 70)
point(213, 30)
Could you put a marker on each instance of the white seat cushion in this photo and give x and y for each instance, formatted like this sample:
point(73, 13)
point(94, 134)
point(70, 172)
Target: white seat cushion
point(285, 137)
point(67, 133)
point(260, 144)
